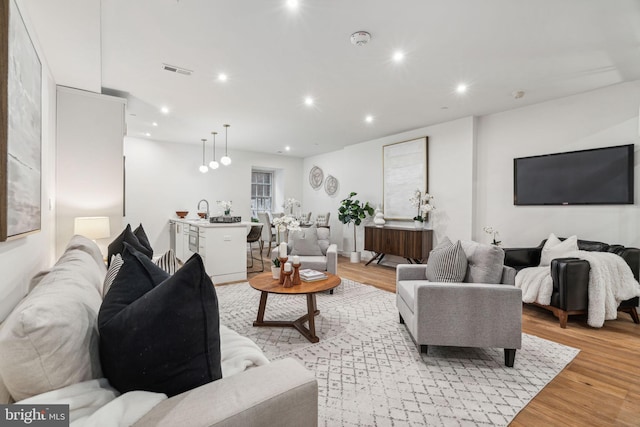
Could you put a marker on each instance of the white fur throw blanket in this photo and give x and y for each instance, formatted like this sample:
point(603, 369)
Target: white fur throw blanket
point(611, 281)
point(95, 403)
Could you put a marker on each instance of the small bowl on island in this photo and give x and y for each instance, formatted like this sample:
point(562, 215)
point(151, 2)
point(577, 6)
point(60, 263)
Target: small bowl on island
point(182, 214)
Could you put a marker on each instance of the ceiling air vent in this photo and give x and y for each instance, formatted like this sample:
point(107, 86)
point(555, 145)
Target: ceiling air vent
point(175, 69)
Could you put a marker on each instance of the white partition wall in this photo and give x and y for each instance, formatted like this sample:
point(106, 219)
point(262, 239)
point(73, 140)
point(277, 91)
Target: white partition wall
point(90, 182)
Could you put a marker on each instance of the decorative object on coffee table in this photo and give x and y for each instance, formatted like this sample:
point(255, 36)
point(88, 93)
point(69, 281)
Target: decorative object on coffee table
point(296, 270)
point(288, 271)
point(282, 256)
point(275, 269)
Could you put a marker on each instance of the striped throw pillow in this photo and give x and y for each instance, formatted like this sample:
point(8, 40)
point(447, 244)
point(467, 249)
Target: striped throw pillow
point(168, 262)
point(112, 272)
point(447, 263)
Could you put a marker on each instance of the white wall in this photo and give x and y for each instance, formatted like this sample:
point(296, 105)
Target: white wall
point(600, 118)
point(358, 168)
point(163, 177)
point(20, 259)
point(89, 182)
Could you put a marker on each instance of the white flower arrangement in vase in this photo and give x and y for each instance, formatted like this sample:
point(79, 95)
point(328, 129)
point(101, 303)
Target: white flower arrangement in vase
point(226, 206)
point(494, 235)
point(290, 204)
point(422, 201)
point(285, 222)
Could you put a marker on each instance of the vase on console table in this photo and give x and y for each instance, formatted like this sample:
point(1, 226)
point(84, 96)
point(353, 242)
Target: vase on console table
point(378, 219)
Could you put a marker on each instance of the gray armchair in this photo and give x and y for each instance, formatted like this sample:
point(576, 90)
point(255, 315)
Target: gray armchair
point(462, 314)
point(313, 247)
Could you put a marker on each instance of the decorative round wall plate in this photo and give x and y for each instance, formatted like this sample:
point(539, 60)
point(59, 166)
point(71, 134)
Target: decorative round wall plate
point(331, 185)
point(316, 176)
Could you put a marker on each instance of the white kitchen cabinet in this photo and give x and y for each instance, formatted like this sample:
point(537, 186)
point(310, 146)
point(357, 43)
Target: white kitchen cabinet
point(185, 243)
point(179, 240)
point(225, 255)
point(222, 247)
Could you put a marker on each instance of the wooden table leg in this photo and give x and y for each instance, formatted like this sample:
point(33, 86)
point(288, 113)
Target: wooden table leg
point(311, 311)
point(261, 307)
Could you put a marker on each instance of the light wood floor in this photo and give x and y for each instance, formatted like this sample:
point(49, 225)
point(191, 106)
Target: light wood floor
point(600, 387)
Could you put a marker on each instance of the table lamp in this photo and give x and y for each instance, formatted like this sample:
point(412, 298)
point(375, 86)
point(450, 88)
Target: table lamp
point(92, 227)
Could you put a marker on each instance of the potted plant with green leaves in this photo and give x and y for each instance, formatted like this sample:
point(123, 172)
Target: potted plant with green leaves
point(275, 268)
point(354, 211)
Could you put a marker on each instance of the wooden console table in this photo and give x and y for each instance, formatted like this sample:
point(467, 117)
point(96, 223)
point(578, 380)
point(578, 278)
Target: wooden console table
point(414, 244)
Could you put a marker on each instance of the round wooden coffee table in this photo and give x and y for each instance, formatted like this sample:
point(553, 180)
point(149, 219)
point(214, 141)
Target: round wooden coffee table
point(266, 284)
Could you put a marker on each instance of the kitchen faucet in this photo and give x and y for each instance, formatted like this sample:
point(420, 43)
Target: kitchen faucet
point(198, 208)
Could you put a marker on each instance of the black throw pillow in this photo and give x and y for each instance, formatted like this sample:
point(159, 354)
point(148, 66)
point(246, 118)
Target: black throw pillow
point(160, 335)
point(143, 239)
point(117, 245)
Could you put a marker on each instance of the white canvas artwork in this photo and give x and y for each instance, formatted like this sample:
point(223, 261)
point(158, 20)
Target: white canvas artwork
point(24, 132)
point(405, 171)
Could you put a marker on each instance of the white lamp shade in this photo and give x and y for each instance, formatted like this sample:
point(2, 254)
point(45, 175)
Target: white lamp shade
point(214, 165)
point(225, 160)
point(92, 227)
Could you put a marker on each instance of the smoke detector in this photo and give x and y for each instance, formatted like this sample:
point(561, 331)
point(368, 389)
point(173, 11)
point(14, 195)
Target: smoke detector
point(517, 94)
point(360, 38)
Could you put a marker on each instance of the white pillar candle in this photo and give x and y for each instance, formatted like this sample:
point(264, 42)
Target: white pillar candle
point(282, 251)
point(287, 267)
point(296, 259)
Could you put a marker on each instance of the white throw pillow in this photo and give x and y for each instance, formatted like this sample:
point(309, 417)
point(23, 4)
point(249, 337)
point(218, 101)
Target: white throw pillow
point(50, 340)
point(554, 248)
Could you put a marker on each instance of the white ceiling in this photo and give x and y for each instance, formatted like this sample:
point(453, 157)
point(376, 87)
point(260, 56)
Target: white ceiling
point(274, 57)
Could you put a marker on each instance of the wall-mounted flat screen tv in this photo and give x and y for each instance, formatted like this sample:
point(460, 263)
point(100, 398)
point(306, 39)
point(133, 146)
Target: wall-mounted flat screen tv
point(601, 176)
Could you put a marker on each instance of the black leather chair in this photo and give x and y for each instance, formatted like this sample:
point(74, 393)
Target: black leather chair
point(254, 236)
point(571, 277)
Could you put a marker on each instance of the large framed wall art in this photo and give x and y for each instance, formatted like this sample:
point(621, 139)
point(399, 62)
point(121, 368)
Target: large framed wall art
point(20, 127)
point(405, 168)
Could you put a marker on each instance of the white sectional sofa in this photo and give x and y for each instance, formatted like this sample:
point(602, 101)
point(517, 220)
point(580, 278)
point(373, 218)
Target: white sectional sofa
point(49, 354)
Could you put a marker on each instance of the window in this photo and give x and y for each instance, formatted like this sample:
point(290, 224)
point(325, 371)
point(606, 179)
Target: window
point(261, 192)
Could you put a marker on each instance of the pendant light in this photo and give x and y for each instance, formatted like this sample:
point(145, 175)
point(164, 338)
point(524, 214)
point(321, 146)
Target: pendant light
point(225, 160)
point(203, 167)
point(214, 164)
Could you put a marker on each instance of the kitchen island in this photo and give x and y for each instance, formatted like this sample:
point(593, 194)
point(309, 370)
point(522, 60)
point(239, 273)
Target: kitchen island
point(222, 246)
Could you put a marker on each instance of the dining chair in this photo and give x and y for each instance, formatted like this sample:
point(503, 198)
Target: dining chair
point(254, 236)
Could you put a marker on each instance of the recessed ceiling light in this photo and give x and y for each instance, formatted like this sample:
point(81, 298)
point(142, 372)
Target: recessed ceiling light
point(368, 119)
point(147, 134)
point(461, 88)
point(287, 148)
point(308, 100)
point(398, 56)
point(292, 4)
point(155, 124)
point(164, 110)
point(222, 77)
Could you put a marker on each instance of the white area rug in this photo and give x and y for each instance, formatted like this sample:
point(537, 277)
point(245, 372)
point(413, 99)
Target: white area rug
point(370, 372)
